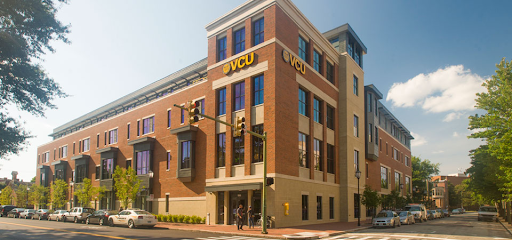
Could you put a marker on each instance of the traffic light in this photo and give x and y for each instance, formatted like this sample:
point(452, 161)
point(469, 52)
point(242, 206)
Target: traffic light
point(193, 110)
point(270, 181)
point(240, 126)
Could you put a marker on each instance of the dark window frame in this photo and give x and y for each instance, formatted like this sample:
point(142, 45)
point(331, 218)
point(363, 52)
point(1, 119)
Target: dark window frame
point(303, 102)
point(239, 96)
point(259, 31)
point(221, 150)
point(303, 49)
point(258, 90)
point(239, 40)
point(221, 49)
point(257, 144)
point(238, 150)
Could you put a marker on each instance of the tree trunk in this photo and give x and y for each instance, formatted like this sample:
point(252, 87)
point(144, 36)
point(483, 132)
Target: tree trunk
point(508, 213)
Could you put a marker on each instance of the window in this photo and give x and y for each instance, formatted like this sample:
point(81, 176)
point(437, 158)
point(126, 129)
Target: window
point(73, 148)
point(356, 126)
point(303, 152)
point(369, 103)
point(395, 154)
point(221, 150)
point(138, 128)
point(370, 131)
point(128, 131)
point(64, 151)
point(398, 179)
point(142, 162)
point(303, 49)
point(239, 41)
point(356, 160)
point(318, 207)
point(105, 138)
point(97, 140)
point(350, 47)
point(168, 118)
point(407, 184)
point(203, 106)
point(239, 96)
point(317, 154)
point(73, 176)
point(316, 61)
point(98, 169)
point(182, 116)
point(376, 135)
point(166, 203)
point(128, 163)
point(367, 169)
point(238, 150)
point(186, 154)
point(317, 110)
point(168, 160)
point(221, 49)
point(259, 31)
point(79, 146)
point(407, 161)
point(376, 107)
point(81, 173)
point(108, 168)
point(383, 177)
point(386, 148)
point(257, 144)
point(258, 90)
point(330, 159)
point(356, 86)
point(86, 145)
point(305, 207)
point(357, 205)
point(335, 43)
point(222, 101)
point(380, 144)
point(329, 73)
point(303, 102)
point(331, 208)
point(112, 135)
point(330, 117)
point(148, 125)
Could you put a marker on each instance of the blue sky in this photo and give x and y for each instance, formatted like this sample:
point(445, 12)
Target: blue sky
point(428, 58)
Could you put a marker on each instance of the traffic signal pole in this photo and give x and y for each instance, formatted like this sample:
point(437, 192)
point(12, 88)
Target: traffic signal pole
point(264, 138)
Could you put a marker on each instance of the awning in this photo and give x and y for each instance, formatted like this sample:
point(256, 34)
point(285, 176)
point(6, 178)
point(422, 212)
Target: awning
point(234, 187)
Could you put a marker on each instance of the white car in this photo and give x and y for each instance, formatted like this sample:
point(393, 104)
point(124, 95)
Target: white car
point(406, 217)
point(133, 219)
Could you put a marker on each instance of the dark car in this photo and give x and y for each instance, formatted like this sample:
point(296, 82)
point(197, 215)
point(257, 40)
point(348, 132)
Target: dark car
point(41, 214)
point(100, 217)
point(15, 212)
point(4, 209)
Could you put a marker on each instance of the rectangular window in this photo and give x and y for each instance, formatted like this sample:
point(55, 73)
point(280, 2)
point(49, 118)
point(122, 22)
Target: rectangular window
point(356, 86)
point(356, 126)
point(376, 135)
point(105, 138)
point(386, 148)
point(259, 31)
point(369, 103)
point(239, 96)
point(64, 151)
point(166, 203)
point(81, 173)
point(73, 176)
point(98, 140)
point(203, 106)
point(407, 184)
point(316, 61)
point(370, 131)
point(221, 49)
point(79, 146)
point(303, 152)
point(303, 49)
point(46, 157)
point(330, 159)
point(73, 148)
point(357, 205)
point(303, 102)
point(238, 150)
point(383, 177)
point(142, 162)
point(54, 153)
point(350, 48)
point(258, 90)
point(98, 169)
point(367, 169)
point(398, 179)
point(331, 208)
point(318, 207)
point(329, 73)
point(335, 43)
point(407, 161)
point(138, 128)
point(330, 117)
point(112, 136)
point(182, 116)
point(128, 163)
point(395, 154)
point(168, 118)
point(317, 110)
point(128, 131)
point(186, 154)
point(108, 168)
point(356, 160)
point(148, 125)
point(376, 107)
point(86, 143)
point(305, 207)
point(168, 160)
point(222, 101)
point(380, 144)
point(257, 144)
point(239, 41)
point(221, 150)
point(317, 154)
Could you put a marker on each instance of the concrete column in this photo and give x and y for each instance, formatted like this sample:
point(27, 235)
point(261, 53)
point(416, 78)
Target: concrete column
point(227, 212)
point(249, 203)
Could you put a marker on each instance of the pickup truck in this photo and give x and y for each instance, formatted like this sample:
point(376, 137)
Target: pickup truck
point(78, 214)
point(488, 213)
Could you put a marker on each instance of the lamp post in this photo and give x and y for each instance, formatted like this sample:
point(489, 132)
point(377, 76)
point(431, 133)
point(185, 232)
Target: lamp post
point(28, 189)
point(358, 175)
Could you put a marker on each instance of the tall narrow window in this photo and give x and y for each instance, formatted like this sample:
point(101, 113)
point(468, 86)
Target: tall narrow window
point(221, 149)
point(258, 90)
point(182, 116)
point(331, 208)
point(330, 117)
point(186, 154)
point(86, 143)
point(356, 126)
point(168, 118)
point(239, 96)
point(108, 168)
point(356, 86)
point(383, 177)
point(305, 207)
point(329, 73)
point(369, 103)
point(238, 150)
point(367, 173)
point(407, 184)
point(97, 140)
point(239, 41)
point(222, 101)
point(80, 146)
point(356, 160)
point(376, 135)
point(138, 128)
point(398, 180)
point(303, 152)
point(128, 131)
point(317, 152)
point(330, 158)
point(303, 106)
point(259, 31)
point(142, 162)
point(168, 160)
point(221, 49)
point(65, 151)
point(318, 207)
point(203, 106)
point(112, 136)
point(257, 144)
point(98, 169)
point(316, 61)
point(73, 148)
point(105, 138)
point(303, 49)
point(370, 132)
point(167, 203)
point(317, 110)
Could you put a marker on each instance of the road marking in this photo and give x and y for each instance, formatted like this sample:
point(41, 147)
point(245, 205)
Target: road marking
point(62, 230)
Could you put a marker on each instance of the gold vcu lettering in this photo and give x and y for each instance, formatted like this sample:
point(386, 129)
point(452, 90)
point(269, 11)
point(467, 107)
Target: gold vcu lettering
point(294, 62)
point(238, 63)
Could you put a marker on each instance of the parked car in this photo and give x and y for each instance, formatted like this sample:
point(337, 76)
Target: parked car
point(386, 219)
point(439, 213)
point(57, 215)
point(134, 218)
point(78, 214)
point(462, 210)
point(488, 213)
point(406, 217)
point(4, 209)
point(446, 213)
point(41, 214)
point(431, 214)
point(418, 210)
point(456, 211)
point(100, 217)
point(15, 212)
point(27, 213)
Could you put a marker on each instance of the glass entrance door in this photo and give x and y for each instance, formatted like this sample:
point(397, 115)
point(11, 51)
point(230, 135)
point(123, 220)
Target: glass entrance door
point(237, 198)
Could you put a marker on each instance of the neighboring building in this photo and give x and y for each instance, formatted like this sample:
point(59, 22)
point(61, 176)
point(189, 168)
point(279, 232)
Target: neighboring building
point(15, 183)
point(265, 62)
point(440, 194)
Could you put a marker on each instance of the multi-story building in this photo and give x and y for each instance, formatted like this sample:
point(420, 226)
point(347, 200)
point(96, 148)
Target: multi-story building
point(440, 189)
point(266, 62)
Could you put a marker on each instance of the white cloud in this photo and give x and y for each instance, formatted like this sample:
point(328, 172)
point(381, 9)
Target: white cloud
point(418, 140)
point(455, 134)
point(453, 116)
point(445, 90)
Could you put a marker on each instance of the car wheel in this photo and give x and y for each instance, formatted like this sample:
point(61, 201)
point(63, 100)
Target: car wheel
point(75, 220)
point(101, 221)
point(111, 222)
point(131, 224)
point(87, 221)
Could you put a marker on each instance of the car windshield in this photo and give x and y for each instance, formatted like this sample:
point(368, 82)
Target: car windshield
point(31, 210)
point(385, 214)
point(414, 208)
point(142, 213)
point(488, 209)
point(402, 214)
point(45, 210)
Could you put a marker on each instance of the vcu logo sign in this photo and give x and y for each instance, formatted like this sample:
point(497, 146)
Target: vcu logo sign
point(238, 63)
point(294, 62)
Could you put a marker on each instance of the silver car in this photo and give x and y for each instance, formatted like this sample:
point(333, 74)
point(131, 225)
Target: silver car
point(386, 219)
point(57, 215)
point(406, 217)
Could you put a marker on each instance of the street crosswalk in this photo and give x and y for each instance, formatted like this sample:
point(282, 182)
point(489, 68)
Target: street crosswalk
point(230, 238)
point(383, 237)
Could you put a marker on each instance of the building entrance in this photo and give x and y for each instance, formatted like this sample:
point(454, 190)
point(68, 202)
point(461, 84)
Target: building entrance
point(236, 198)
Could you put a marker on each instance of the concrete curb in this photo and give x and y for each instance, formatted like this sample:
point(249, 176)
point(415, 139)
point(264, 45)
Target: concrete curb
point(504, 226)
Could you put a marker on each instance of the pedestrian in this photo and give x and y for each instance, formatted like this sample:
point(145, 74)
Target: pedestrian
point(239, 217)
point(250, 215)
point(120, 209)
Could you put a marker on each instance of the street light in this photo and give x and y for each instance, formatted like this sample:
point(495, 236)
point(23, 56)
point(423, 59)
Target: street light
point(358, 175)
point(28, 189)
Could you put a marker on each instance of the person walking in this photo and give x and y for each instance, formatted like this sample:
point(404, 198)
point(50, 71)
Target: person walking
point(240, 217)
point(250, 215)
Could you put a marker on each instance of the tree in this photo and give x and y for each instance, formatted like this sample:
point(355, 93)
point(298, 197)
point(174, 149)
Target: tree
point(59, 193)
point(6, 196)
point(85, 192)
point(26, 30)
point(454, 197)
point(38, 195)
point(370, 199)
point(126, 184)
point(33, 180)
point(486, 175)
point(22, 195)
point(422, 171)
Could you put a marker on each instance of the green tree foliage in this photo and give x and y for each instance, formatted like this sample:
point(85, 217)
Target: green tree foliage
point(38, 195)
point(454, 197)
point(6, 196)
point(85, 192)
point(59, 193)
point(422, 170)
point(26, 30)
point(33, 180)
point(22, 196)
point(370, 198)
point(126, 184)
point(467, 196)
point(486, 175)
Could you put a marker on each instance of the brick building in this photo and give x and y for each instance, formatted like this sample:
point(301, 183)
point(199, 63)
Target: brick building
point(267, 63)
point(440, 193)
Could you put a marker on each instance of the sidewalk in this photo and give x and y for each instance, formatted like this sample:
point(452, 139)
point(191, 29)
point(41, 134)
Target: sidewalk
point(505, 224)
point(298, 232)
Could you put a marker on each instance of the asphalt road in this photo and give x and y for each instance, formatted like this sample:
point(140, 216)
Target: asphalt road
point(460, 227)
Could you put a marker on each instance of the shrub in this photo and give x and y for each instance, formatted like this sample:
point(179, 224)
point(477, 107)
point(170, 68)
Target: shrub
point(174, 218)
point(186, 219)
point(168, 218)
point(180, 218)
